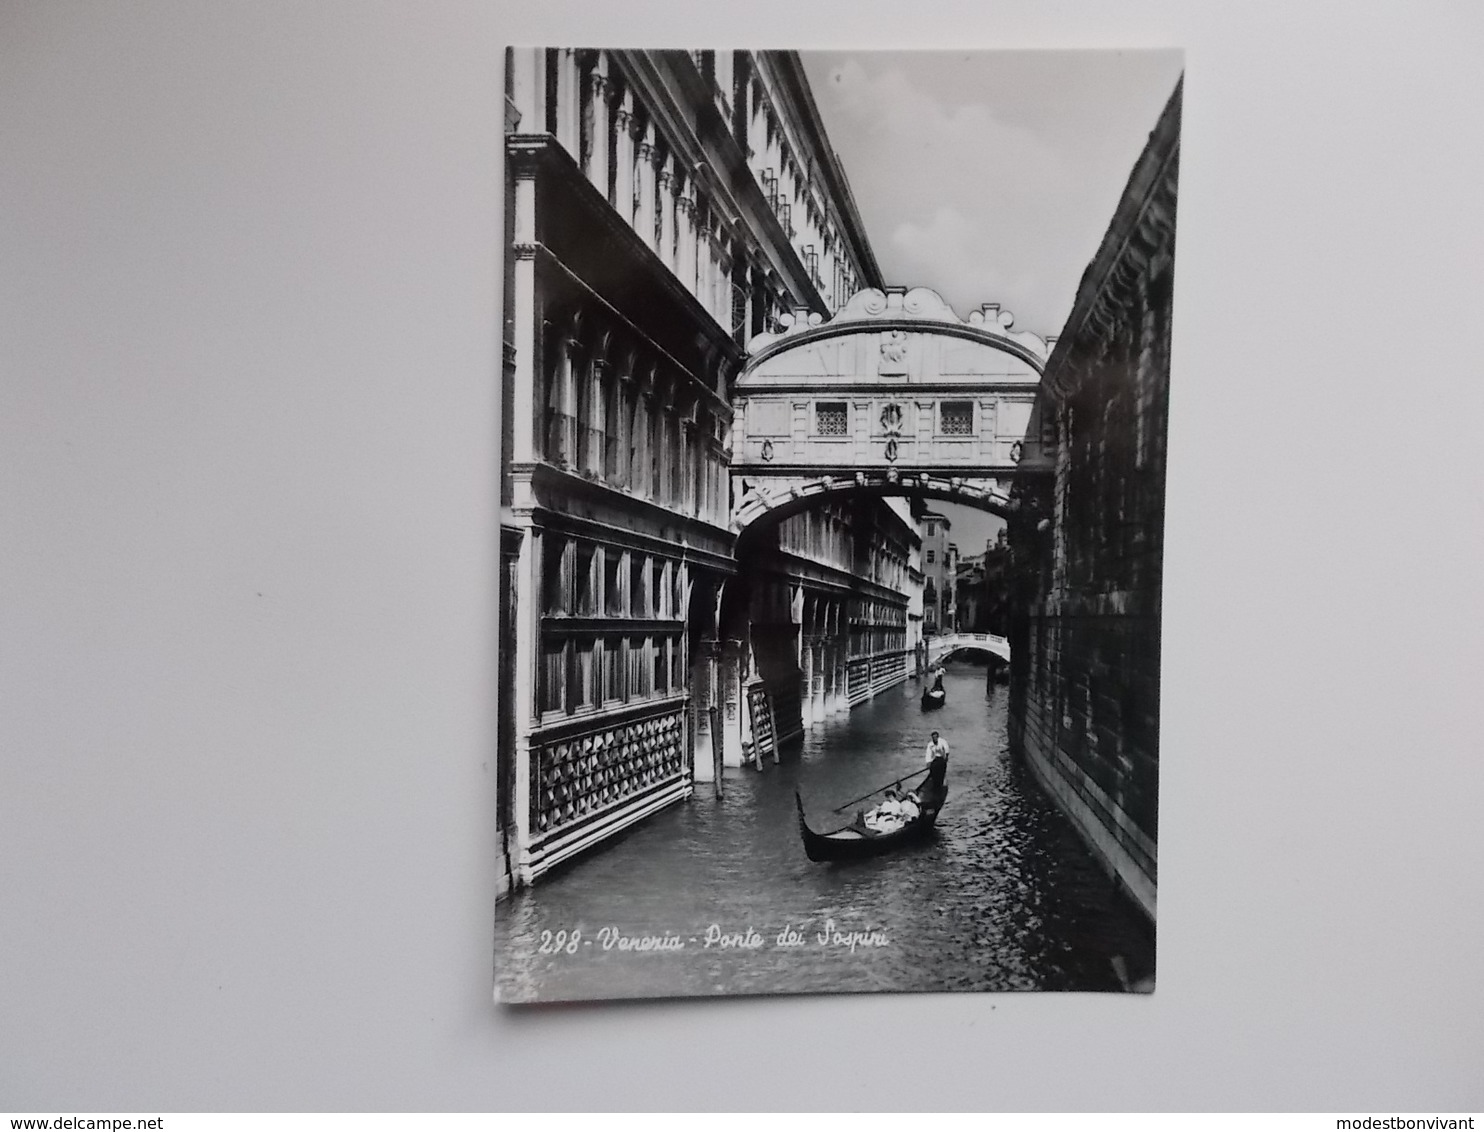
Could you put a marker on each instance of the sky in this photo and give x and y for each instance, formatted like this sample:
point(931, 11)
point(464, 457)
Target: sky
point(990, 176)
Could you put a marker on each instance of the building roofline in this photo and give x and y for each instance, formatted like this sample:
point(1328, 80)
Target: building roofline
point(1145, 211)
point(789, 68)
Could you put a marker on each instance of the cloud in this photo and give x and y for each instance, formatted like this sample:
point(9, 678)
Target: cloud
point(944, 253)
point(967, 136)
point(941, 178)
point(988, 177)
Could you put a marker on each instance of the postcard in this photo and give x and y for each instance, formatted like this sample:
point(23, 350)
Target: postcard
point(835, 398)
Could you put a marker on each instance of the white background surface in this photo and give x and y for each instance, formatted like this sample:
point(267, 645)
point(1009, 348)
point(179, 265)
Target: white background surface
point(249, 340)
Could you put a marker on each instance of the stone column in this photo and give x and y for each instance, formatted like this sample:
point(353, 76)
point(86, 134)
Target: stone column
point(685, 243)
point(527, 667)
point(648, 190)
point(569, 101)
point(667, 189)
point(701, 696)
point(526, 329)
point(623, 185)
point(528, 87)
point(597, 170)
point(730, 695)
point(806, 678)
point(818, 689)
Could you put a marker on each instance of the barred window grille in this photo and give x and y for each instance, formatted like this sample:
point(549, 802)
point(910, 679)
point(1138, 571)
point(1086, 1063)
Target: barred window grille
point(830, 418)
point(613, 596)
point(638, 662)
point(613, 669)
point(554, 576)
point(585, 581)
point(638, 591)
point(583, 674)
point(770, 188)
point(958, 418)
point(553, 675)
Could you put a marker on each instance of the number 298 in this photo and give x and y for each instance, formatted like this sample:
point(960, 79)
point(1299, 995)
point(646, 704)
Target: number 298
point(563, 940)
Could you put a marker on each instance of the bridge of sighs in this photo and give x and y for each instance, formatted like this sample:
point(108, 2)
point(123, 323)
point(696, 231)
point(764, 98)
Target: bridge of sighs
point(895, 395)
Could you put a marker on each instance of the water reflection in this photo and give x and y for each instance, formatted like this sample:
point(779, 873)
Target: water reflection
point(1003, 897)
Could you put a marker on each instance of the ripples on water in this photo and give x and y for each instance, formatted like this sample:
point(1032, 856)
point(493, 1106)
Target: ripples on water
point(1004, 897)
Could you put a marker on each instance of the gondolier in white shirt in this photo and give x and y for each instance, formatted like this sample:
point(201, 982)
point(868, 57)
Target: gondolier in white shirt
point(937, 748)
point(937, 758)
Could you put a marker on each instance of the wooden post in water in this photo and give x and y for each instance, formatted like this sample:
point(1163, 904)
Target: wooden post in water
point(716, 751)
point(713, 649)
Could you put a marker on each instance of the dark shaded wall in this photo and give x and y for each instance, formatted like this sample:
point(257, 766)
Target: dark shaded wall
point(1087, 550)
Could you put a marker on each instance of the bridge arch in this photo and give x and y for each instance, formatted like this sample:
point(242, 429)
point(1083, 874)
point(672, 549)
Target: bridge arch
point(770, 501)
point(940, 648)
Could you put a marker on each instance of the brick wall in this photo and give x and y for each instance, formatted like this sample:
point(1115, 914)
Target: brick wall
point(1087, 545)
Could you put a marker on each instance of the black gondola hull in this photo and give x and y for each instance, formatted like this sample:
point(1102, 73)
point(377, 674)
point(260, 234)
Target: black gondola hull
point(933, 699)
point(854, 844)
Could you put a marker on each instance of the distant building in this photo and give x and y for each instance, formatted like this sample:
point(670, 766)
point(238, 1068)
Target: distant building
point(937, 573)
point(968, 588)
point(994, 609)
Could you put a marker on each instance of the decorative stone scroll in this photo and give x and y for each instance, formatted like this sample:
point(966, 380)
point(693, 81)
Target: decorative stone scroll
point(899, 315)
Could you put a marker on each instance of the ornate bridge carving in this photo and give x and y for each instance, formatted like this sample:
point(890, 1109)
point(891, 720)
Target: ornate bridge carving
point(895, 395)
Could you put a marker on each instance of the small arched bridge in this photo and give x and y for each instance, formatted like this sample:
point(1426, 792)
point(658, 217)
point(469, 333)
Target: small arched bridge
point(940, 648)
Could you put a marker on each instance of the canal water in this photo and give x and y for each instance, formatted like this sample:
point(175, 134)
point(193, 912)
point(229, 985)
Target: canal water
point(1003, 897)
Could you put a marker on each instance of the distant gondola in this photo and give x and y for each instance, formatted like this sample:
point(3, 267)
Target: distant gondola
point(933, 698)
point(853, 842)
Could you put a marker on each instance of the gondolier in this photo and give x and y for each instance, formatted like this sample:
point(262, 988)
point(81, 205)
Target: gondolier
point(936, 758)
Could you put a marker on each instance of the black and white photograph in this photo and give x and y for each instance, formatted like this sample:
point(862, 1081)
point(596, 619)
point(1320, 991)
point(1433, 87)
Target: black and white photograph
point(679, 557)
point(835, 400)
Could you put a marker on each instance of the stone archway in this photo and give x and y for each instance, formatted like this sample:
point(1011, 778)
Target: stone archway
point(775, 499)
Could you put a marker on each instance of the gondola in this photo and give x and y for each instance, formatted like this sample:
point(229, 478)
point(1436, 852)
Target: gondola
point(853, 842)
point(933, 698)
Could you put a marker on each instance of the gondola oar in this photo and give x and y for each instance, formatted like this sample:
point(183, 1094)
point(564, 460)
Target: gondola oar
point(879, 789)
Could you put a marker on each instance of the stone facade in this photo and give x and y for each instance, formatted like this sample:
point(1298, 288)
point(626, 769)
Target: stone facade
point(826, 597)
point(662, 208)
point(938, 597)
point(1087, 543)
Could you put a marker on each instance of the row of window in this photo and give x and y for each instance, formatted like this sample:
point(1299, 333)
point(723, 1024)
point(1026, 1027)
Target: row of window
point(586, 671)
point(621, 146)
point(869, 612)
point(873, 642)
point(787, 183)
point(955, 418)
point(601, 424)
point(583, 579)
point(826, 536)
point(821, 536)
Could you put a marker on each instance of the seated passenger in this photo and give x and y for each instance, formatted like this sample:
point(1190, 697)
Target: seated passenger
point(891, 815)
